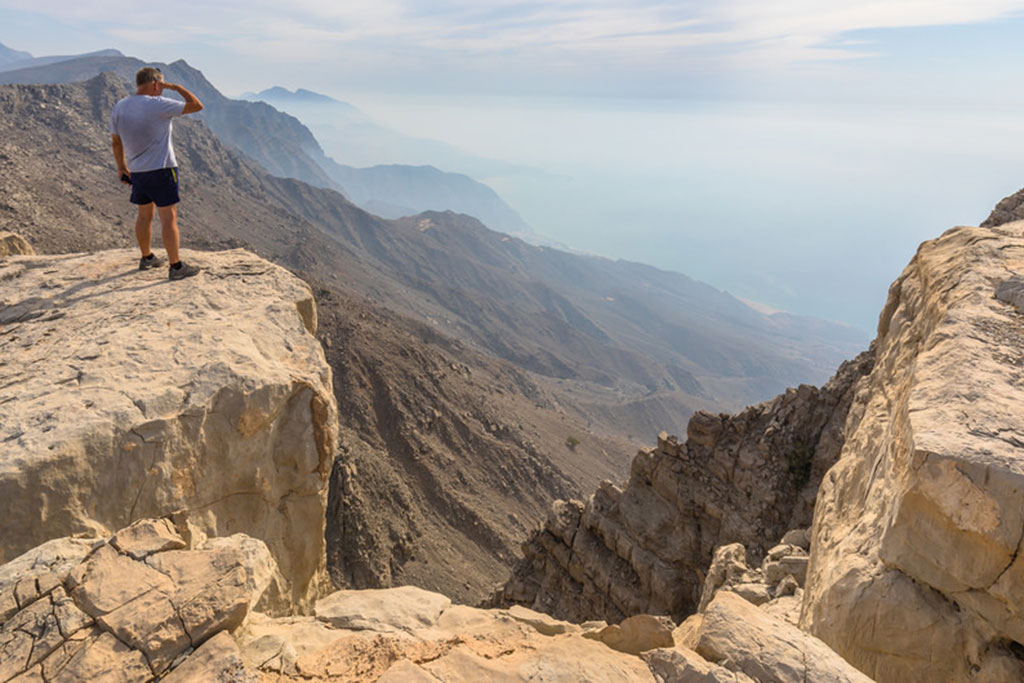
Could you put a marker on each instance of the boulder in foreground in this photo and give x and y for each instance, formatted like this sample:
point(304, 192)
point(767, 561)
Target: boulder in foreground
point(915, 571)
point(127, 396)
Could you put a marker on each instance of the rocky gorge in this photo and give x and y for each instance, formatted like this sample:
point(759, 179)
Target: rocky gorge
point(197, 475)
point(913, 566)
point(167, 485)
point(864, 530)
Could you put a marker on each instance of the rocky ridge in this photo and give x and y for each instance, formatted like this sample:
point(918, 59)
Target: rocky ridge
point(125, 396)
point(644, 547)
point(160, 601)
point(915, 571)
point(1008, 209)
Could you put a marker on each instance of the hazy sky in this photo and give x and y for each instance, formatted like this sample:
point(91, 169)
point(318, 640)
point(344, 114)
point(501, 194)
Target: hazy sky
point(879, 48)
point(793, 152)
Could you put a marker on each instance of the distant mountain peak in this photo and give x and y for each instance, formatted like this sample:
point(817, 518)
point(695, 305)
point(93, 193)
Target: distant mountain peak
point(9, 55)
point(282, 94)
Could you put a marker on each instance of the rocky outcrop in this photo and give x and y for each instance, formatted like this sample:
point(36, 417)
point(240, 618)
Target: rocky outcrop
point(160, 601)
point(1009, 209)
point(777, 586)
point(12, 244)
point(644, 548)
point(127, 396)
point(916, 572)
point(736, 636)
point(406, 634)
point(154, 597)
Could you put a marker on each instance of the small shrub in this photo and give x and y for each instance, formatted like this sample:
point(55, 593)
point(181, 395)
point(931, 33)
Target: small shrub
point(571, 442)
point(800, 459)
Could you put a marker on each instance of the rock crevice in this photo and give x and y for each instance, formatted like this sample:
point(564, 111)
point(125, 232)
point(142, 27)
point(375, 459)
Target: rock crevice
point(644, 548)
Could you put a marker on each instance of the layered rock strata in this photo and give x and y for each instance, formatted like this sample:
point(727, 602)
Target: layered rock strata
point(124, 396)
point(916, 572)
point(644, 548)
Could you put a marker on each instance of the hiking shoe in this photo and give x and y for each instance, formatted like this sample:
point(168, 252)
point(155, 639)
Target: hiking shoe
point(181, 273)
point(147, 263)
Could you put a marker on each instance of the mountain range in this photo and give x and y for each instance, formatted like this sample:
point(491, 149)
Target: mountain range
point(286, 147)
point(348, 133)
point(537, 368)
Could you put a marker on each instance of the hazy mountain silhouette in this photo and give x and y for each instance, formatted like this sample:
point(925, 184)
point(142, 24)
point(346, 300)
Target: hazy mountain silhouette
point(352, 137)
point(10, 56)
point(9, 59)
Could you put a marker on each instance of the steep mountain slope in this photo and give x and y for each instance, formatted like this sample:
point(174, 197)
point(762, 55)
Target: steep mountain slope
point(394, 191)
point(348, 134)
point(393, 175)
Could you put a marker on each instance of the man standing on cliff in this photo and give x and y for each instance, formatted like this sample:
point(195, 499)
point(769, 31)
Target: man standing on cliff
point(140, 126)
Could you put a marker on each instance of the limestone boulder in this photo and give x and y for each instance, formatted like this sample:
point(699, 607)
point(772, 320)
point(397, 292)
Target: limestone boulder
point(218, 660)
point(683, 665)
point(444, 642)
point(103, 613)
point(137, 396)
point(916, 572)
point(776, 585)
point(637, 634)
point(738, 636)
point(393, 610)
point(12, 244)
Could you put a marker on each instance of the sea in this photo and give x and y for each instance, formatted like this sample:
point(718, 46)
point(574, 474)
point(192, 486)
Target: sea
point(809, 207)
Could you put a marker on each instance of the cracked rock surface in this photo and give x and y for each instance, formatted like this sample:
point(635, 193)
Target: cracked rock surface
point(915, 572)
point(127, 396)
point(77, 610)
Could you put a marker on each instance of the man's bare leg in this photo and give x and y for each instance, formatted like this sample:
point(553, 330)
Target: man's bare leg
point(169, 229)
point(144, 228)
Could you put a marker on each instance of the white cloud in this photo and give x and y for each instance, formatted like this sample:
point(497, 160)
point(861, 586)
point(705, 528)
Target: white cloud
point(592, 34)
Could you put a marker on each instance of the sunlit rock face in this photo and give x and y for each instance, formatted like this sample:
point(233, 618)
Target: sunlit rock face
point(125, 396)
point(915, 571)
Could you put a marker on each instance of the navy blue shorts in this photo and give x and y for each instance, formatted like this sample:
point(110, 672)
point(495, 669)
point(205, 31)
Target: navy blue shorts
point(160, 187)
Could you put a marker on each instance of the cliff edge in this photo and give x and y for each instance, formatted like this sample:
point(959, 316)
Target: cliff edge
point(127, 396)
point(915, 571)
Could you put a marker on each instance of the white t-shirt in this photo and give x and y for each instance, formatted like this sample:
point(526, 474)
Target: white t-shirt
point(144, 124)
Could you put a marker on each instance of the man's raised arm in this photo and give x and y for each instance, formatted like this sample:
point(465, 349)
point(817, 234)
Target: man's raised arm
point(192, 103)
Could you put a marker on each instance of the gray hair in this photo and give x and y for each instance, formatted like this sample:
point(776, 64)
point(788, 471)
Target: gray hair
point(148, 74)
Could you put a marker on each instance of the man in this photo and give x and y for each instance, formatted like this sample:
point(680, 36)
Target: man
point(140, 127)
